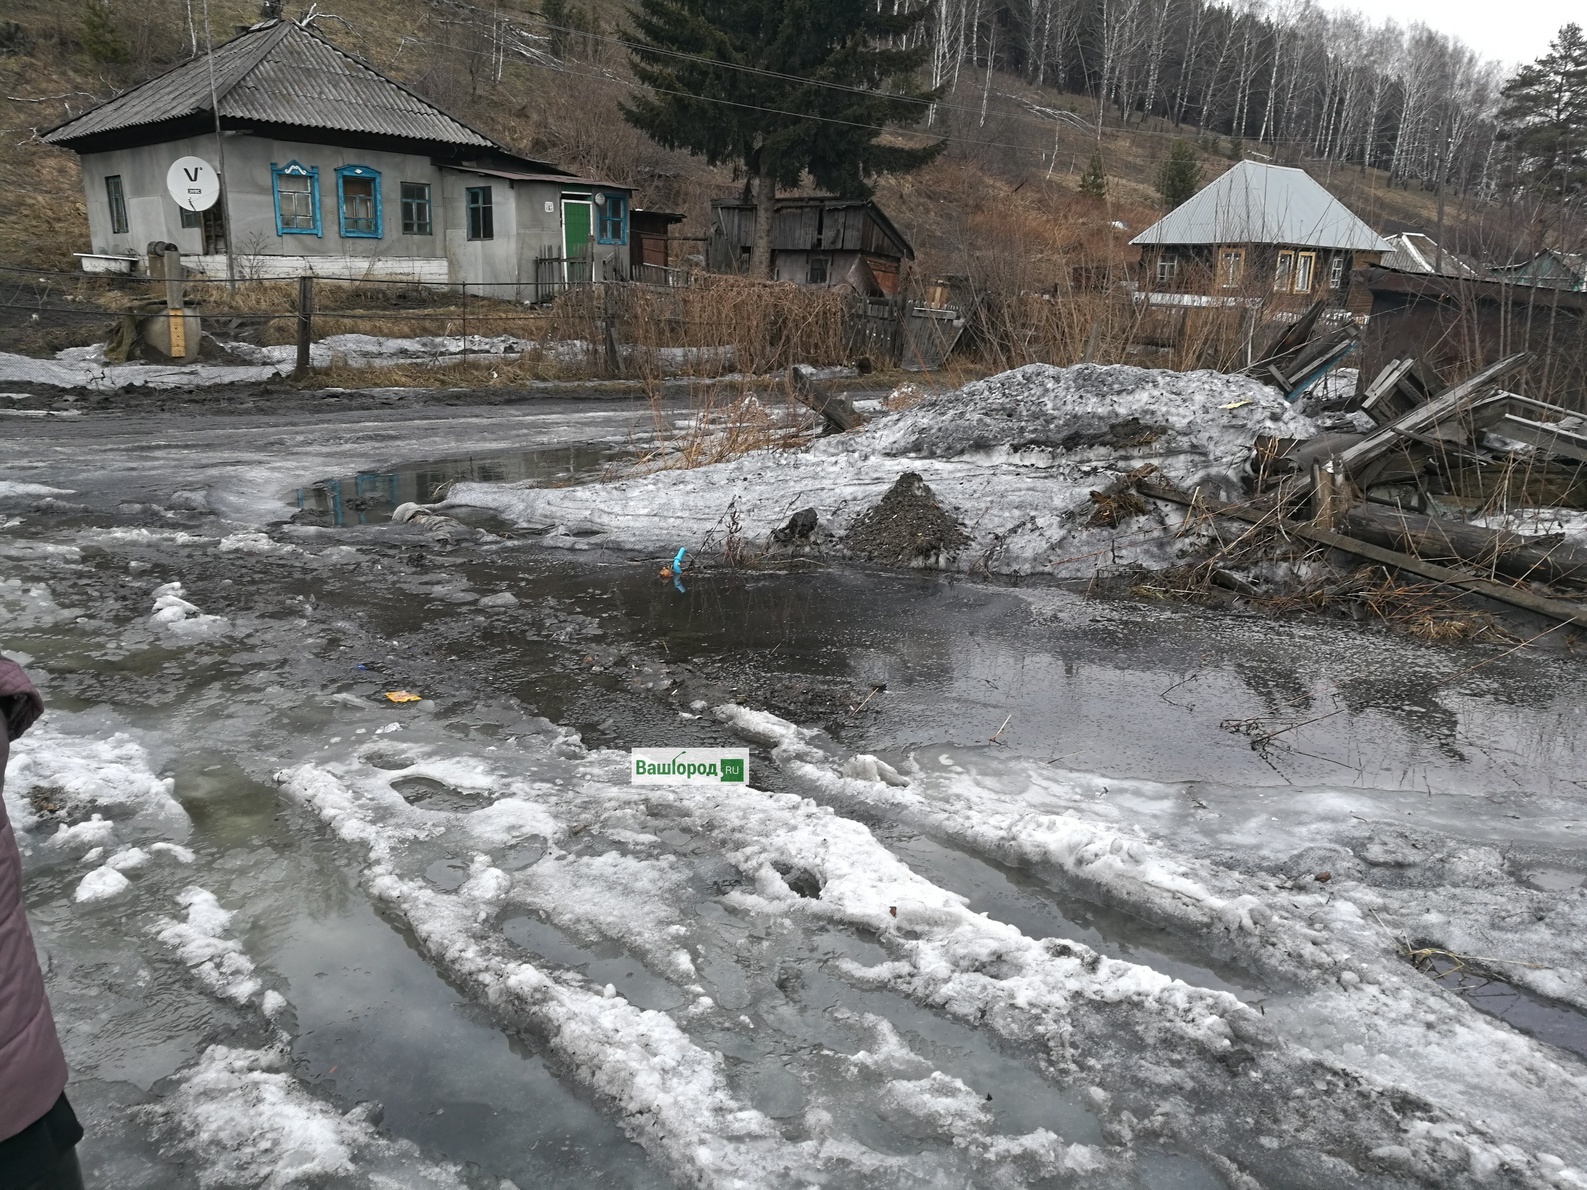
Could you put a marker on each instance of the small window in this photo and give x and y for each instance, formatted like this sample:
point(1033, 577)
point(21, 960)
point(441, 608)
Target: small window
point(1305, 266)
point(358, 201)
point(611, 222)
point(817, 274)
point(1336, 273)
point(1167, 268)
point(297, 198)
point(1284, 271)
point(481, 215)
point(191, 218)
point(416, 209)
point(1231, 267)
point(117, 197)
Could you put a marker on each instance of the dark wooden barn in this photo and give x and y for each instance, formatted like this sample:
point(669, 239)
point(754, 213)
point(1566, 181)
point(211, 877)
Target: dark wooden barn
point(838, 243)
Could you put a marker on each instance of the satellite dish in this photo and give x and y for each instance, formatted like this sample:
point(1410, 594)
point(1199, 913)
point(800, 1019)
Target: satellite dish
point(193, 183)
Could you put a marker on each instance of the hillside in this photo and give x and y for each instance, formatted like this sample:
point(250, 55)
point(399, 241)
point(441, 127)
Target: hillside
point(1000, 205)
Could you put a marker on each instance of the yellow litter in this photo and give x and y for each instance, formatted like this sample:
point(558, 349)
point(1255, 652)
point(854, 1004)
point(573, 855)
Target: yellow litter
point(1235, 405)
point(401, 696)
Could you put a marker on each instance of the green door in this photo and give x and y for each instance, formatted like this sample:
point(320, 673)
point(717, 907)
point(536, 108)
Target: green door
point(576, 238)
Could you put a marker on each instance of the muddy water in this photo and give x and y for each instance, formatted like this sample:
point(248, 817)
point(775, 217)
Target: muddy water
point(595, 641)
point(369, 496)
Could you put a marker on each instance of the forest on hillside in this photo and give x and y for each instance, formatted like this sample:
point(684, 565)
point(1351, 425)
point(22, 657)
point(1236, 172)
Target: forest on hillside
point(1029, 90)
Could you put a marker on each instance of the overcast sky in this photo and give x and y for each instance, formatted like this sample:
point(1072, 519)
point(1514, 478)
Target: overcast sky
point(1512, 32)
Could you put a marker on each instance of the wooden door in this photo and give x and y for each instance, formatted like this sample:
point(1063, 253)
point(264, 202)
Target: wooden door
point(576, 233)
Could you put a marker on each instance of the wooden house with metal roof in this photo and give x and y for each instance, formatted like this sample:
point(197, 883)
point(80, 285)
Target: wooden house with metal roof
point(331, 169)
point(1257, 231)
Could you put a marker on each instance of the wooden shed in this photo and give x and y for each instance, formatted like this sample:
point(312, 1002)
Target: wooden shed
point(839, 243)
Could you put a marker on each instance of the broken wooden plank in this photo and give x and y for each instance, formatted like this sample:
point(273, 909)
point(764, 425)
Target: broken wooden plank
point(1557, 609)
point(1425, 418)
point(838, 411)
point(1436, 539)
point(1287, 343)
point(1379, 403)
point(1546, 436)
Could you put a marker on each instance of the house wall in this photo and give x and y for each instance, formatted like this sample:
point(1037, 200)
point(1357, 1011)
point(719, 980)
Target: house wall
point(523, 227)
point(1197, 272)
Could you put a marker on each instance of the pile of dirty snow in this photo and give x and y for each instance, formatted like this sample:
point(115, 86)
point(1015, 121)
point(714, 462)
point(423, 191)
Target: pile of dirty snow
point(1014, 459)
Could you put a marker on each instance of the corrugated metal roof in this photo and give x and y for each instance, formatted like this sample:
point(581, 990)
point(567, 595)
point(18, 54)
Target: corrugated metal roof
point(1418, 253)
point(1255, 203)
point(279, 73)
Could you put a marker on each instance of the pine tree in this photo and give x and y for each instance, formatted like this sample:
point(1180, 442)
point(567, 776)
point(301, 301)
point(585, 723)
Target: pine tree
point(102, 38)
point(740, 82)
point(1094, 182)
point(1179, 177)
point(1545, 115)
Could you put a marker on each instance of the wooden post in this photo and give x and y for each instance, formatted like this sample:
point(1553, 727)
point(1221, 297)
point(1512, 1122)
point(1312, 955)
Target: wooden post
point(305, 323)
point(176, 318)
point(614, 363)
point(1330, 492)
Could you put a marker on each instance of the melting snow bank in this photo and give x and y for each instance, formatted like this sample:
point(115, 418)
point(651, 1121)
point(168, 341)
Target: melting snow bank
point(84, 368)
point(1475, 1100)
point(734, 910)
point(244, 1120)
point(1015, 457)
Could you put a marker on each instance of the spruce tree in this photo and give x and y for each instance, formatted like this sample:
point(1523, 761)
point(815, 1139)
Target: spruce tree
point(102, 37)
point(1179, 177)
point(1545, 116)
point(740, 82)
point(1094, 182)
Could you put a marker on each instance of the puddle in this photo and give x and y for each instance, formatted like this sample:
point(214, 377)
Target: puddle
point(1029, 903)
point(429, 794)
point(1551, 879)
point(375, 1021)
point(601, 964)
point(1546, 1020)
point(370, 496)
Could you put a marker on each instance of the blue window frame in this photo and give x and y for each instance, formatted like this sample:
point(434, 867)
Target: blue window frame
point(611, 221)
point(358, 202)
point(297, 198)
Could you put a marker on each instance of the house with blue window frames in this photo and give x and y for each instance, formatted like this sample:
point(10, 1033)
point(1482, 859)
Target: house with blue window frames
point(333, 170)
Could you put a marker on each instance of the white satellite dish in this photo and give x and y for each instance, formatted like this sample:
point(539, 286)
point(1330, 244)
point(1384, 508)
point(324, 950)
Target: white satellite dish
point(193, 182)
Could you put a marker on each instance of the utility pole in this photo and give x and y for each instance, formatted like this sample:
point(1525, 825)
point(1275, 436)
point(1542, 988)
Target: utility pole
point(220, 150)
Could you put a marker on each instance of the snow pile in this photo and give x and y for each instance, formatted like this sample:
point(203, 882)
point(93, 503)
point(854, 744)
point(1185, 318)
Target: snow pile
point(1116, 415)
point(244, 1120)
point(253, 543)
point(85, 368)
point(180, 622)
point(1015, 458)
point(201, 944)
point(11, 489)
point(95, 789)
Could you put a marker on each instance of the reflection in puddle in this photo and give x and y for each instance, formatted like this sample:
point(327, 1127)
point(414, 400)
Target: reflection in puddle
point(370, 496)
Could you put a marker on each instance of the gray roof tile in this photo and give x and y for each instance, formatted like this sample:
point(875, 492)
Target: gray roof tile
point(278, 73)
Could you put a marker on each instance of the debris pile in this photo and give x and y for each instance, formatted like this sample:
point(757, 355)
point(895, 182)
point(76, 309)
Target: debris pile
point(1408, 496)
point(906, 527)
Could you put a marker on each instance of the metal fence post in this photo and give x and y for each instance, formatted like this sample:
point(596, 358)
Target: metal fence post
point(305, 323)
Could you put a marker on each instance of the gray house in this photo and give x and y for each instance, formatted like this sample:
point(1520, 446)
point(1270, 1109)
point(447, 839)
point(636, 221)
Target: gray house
point(333, 170)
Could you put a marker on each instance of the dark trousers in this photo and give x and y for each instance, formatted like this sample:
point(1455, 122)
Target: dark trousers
point(65, 1176)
